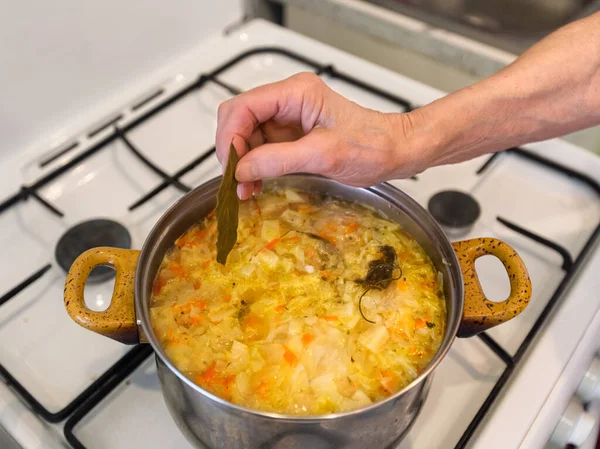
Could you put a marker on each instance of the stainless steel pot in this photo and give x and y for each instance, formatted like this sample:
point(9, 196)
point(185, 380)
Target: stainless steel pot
point(210, 422)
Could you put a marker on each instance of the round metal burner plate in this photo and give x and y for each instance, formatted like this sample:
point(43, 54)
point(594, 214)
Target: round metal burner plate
point(454, 209)
point(87, 235)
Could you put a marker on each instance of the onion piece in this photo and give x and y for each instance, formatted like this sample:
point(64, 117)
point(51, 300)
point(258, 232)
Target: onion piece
point(374, 338)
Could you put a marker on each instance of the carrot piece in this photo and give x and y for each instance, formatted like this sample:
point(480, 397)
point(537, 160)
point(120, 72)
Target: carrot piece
point(328, 230)
point(227, 298)
point(207, 375)
point(400, 333)
point(185, 308)
point(196, 319)
point(414, 351)
point(307, 338)
point(330, 317)
point(272, 243)
point(179, 271)
point(171, 337)
point(196, 239)
point(402, 255)
point(351, 228)
point(253, 320)
point(402, 285)
point(200, 304)
point(293, 239)
point(290, 357)
point(182, 241)
point(229, 380)
point(328, 274)
point(279, 308)
point(419, 323)
point(197, 285)
point(261, 389)
point(159, 283)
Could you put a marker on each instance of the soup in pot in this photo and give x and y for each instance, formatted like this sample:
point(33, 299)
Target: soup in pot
point(323, 306)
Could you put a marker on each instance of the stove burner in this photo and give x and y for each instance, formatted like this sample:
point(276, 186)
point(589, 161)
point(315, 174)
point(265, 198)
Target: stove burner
point(87, 235)
point(455, 211)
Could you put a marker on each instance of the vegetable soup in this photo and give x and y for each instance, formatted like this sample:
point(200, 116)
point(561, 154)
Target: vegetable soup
point(323, 306)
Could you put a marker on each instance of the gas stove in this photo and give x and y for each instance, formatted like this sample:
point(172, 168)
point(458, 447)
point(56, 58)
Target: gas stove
point(67, 387)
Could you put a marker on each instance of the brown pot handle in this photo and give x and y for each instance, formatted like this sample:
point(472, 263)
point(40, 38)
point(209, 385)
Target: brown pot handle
point(479, 313)
point(118, 320)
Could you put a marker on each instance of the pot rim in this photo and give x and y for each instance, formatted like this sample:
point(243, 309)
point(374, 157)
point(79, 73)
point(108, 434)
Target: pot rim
point(391, 194)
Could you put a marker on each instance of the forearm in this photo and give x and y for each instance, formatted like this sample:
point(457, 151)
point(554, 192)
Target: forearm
point(551, 90)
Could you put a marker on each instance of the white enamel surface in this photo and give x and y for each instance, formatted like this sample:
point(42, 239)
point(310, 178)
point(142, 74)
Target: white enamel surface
point(46, 351)
point(77, 62)
point(138, 400)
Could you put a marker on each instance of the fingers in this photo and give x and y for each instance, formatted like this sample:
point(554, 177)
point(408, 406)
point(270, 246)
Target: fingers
point(256, 139)
point(297, 99)
point(245, 190)
point(311, 154)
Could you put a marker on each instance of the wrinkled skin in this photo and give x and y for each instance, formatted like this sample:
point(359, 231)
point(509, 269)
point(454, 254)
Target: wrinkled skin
point(301, 125)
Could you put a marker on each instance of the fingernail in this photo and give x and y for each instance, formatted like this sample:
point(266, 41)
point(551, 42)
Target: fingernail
point(244, 191)
point(245, 172)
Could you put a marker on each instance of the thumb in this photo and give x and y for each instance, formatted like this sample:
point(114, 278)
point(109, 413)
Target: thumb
point(309, 154)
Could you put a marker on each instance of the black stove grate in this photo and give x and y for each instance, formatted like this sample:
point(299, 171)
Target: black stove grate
point(98, 390)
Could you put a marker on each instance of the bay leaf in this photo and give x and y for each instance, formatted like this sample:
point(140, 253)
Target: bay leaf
point(227, 209)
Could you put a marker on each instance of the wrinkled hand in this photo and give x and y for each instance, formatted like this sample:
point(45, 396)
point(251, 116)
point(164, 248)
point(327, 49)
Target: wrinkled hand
point(301, 125)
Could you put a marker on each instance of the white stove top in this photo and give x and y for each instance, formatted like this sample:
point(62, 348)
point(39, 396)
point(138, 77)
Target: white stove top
point(55, 359)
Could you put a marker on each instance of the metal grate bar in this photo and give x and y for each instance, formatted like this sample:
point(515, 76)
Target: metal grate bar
point(137, 356)
point(592, 183)
point(165, 184)
point(148, 99)
point(228, 87)
point(487, 164)
point(97, 386)
point(582, 177)
point(566, 256)
point(58, 155)
point(27, 192)
point(150, 165)
point(499, 350)
point(24, 284)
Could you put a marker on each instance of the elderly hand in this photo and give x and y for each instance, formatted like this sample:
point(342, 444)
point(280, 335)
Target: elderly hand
point(301, 125)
